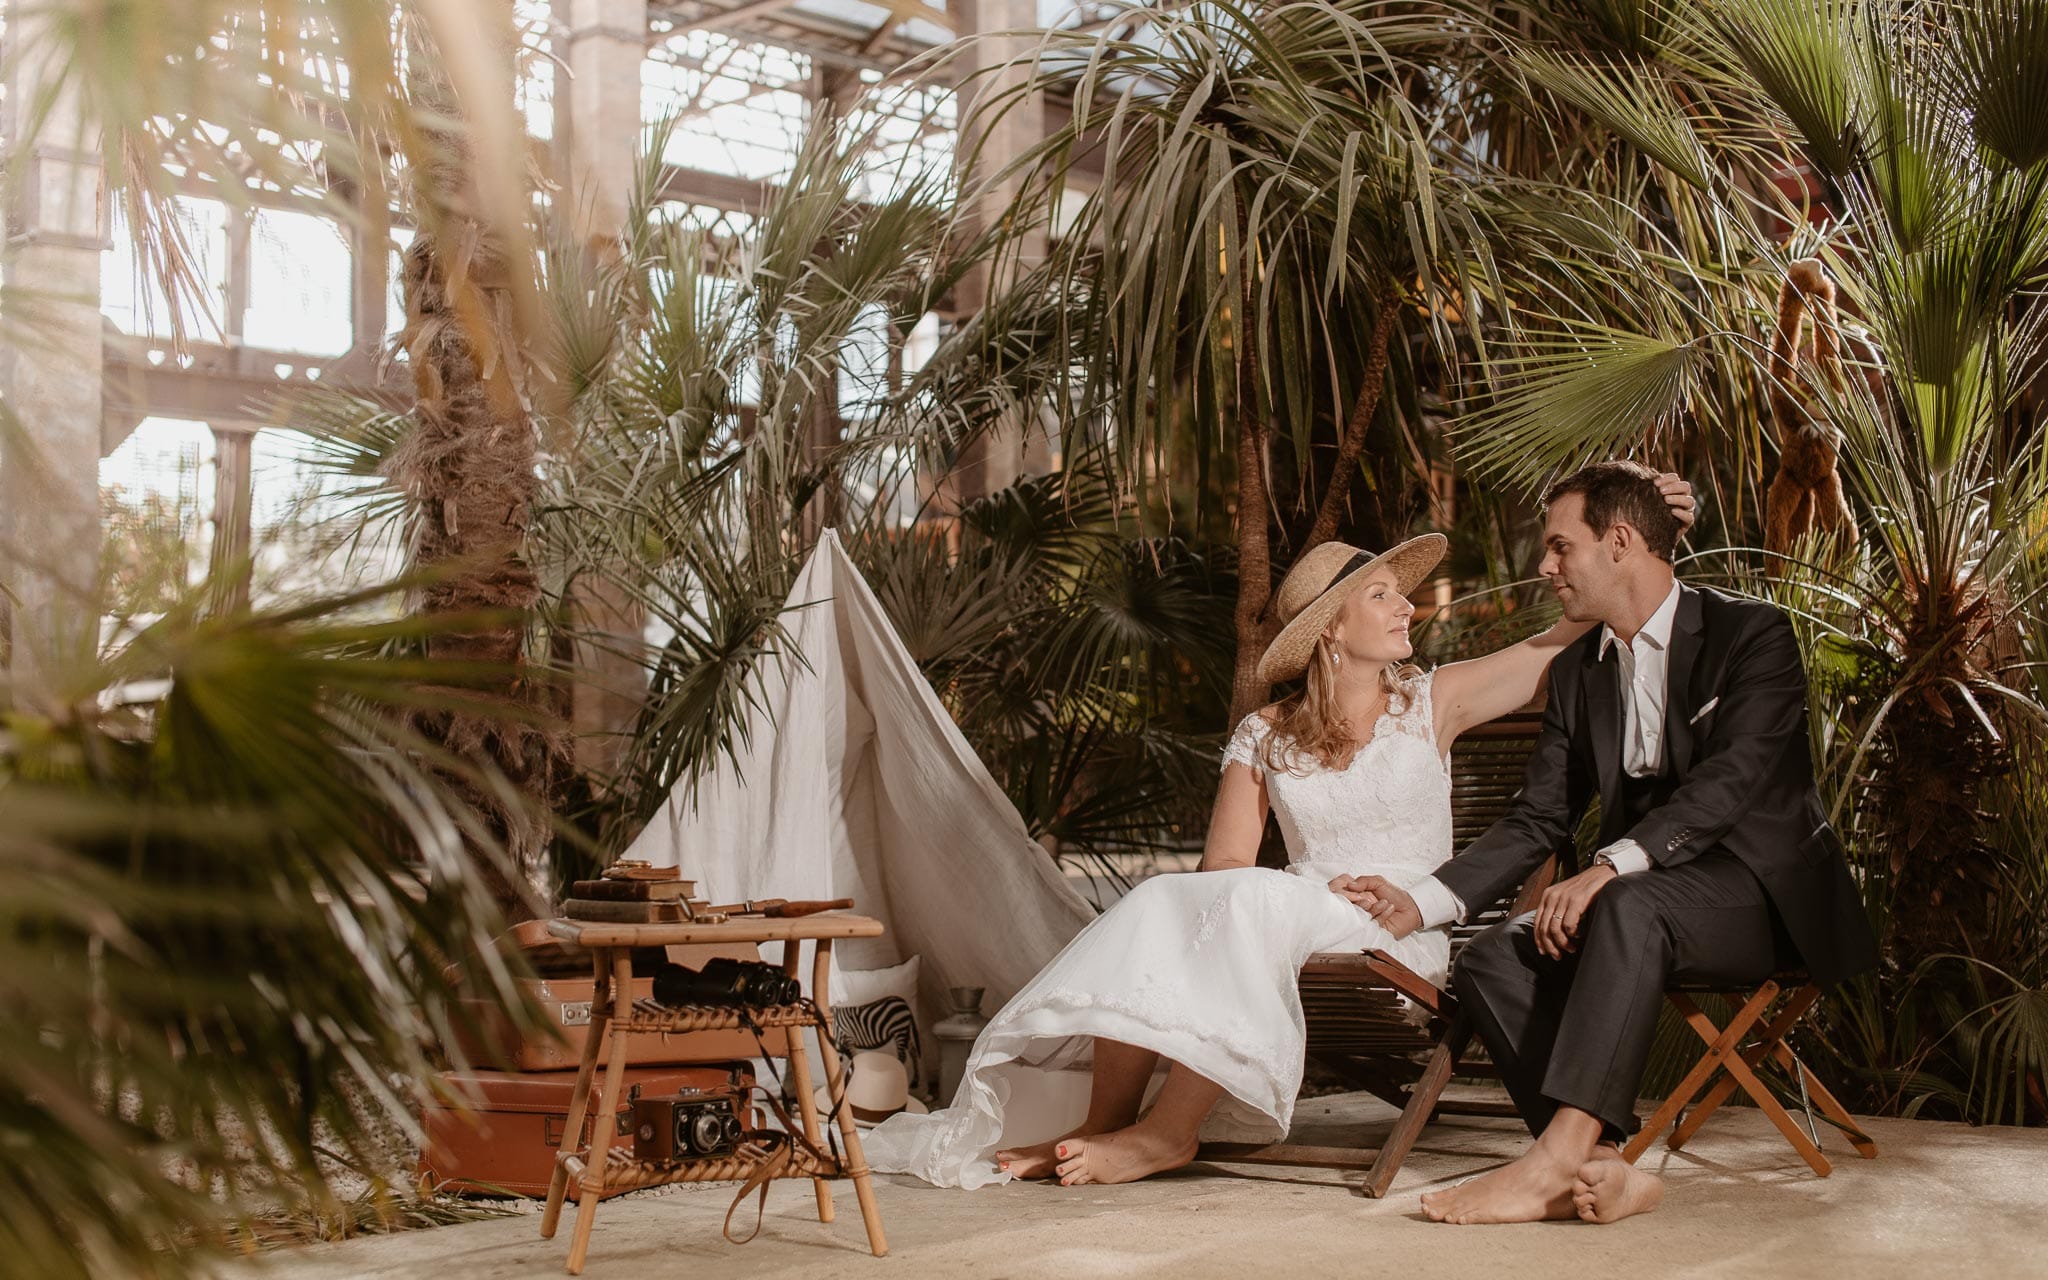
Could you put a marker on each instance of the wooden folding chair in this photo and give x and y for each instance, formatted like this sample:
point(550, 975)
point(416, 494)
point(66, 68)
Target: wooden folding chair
point(1735, 1064)
point(1358, 1022)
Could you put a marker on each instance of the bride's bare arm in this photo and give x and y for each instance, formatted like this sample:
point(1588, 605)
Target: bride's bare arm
point(1481, 689)
point(1237, 822)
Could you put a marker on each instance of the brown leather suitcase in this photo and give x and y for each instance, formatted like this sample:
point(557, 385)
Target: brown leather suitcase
point(506, 1144)
point(485, 1037)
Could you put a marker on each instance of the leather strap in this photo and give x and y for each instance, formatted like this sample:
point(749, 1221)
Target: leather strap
point(773, 1158)
point(773, 1151)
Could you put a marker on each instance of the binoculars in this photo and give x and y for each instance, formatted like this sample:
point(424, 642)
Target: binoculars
point(749, 984)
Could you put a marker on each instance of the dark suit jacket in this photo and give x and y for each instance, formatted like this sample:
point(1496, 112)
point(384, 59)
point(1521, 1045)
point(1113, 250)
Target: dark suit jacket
point(1743, 773)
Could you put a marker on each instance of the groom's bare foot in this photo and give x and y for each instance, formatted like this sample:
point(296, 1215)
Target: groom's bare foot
point(1611, 1189)
point(1124, 1156)
point(1534, 1188)
point(1040, 1160)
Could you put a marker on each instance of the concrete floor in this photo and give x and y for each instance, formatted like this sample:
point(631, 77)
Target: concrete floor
point(1941, 1200)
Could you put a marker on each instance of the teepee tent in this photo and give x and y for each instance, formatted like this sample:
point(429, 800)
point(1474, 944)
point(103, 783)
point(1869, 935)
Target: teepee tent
point(851, 781)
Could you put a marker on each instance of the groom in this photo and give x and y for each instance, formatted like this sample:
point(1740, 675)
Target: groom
point(1684, 714)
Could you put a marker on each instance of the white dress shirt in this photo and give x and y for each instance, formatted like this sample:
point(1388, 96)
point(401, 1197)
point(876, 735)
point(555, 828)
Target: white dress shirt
point(1645, 676)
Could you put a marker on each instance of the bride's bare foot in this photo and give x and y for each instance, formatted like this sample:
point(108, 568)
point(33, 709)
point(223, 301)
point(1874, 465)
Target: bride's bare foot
point(1124, 1156)
point(1612, 1189)
point(1037, 1161)
point(1536, 1187)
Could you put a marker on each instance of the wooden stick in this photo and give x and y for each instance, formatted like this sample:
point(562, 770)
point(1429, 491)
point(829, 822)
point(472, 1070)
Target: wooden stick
point(1422, 1097)
point(1718, 1046)
point(1772, 1035)
point(607, 1111)
point(800, 1071)
point(579, 1100)
point(855, 1164)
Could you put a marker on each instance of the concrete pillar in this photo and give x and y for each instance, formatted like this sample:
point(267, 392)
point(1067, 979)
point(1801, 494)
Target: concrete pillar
point(50, 366)
point(995, 66)
point(231, 570)
point(597, 115)
point(834, 93)
point(596, 147)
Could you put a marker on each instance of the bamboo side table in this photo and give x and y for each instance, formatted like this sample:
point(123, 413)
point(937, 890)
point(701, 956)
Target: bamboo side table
point(598, 1168)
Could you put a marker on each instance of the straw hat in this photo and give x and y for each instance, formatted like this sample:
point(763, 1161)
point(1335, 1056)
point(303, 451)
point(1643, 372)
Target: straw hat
point(1316, 588)
point(877, 1087)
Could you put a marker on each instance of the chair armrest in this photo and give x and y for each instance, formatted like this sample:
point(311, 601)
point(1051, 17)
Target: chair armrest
point(1411, 984)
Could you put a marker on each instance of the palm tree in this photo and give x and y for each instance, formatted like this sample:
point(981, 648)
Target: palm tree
point(695, 364)
point(238, 880)
point(245, 862)
point(1920, 127)
point(467, 466)
point(1278, 214)
point(1933, 192)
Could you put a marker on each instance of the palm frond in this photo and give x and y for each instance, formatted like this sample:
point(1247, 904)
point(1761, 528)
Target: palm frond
point(1580, 392)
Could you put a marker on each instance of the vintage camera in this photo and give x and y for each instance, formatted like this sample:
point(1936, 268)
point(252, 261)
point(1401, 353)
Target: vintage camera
point(691, 1125)
point(726, 981)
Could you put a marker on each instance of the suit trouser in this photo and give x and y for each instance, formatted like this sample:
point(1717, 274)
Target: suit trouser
point(1576, 1031)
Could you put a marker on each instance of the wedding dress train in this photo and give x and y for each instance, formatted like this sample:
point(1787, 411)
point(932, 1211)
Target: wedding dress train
point(1202, 967)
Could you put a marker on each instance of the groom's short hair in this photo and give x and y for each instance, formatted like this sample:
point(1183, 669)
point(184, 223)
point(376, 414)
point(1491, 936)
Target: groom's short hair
point(1622, 492)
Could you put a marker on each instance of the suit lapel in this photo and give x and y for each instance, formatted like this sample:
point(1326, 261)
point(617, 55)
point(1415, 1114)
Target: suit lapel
point(1603, 722)
point(1678, 708)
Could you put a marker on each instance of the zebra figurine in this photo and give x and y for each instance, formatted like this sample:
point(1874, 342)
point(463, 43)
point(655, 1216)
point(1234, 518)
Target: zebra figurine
point(884, 1024)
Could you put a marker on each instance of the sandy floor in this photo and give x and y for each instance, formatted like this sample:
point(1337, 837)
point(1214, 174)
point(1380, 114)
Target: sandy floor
point(1941, 1200)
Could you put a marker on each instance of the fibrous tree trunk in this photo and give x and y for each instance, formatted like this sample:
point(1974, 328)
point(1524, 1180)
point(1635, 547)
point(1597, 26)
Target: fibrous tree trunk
point(468, 474)
point(1254, 546)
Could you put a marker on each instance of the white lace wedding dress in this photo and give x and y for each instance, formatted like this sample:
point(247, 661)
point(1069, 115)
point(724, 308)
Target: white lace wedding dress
point(1202, 966)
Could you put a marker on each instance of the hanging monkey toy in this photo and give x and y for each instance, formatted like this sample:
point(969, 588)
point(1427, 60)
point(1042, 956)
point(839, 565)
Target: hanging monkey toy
point(1806, 494)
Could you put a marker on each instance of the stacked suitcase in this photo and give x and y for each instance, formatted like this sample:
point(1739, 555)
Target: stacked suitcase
point(500, 1125)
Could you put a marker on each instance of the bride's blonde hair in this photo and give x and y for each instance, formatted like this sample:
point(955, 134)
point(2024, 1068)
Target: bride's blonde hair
point(1307, 726)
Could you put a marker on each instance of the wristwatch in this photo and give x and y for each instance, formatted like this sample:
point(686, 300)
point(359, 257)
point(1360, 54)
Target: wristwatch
point(1602, 860)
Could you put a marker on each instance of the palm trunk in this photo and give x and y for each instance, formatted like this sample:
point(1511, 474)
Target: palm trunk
point(1364, 407)
point(468, 475)
point(1254, 546)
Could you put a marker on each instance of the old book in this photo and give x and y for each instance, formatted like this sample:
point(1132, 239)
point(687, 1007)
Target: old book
point(624, 912)
point(633, 890)
point(635, 869)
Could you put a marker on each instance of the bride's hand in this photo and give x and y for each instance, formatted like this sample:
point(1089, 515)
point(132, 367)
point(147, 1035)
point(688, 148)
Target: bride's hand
point(1678, 496)
point(1352, 889)
point(1387, 903)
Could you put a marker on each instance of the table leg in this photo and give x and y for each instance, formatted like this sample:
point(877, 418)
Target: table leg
point(856, 1165)
point(579, 1099)
point(606, 1124)
point(800, 1071)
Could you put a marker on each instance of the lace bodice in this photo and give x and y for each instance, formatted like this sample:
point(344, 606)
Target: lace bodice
point(1386, 813)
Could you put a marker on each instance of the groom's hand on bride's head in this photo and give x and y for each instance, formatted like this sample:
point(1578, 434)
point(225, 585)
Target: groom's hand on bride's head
point(1387, 903)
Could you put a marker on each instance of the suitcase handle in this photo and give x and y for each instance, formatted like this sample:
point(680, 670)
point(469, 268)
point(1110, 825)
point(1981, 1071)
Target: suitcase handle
point(552, 1127)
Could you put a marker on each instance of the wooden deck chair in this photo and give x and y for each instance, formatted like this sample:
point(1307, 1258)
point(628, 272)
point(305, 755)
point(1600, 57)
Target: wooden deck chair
point(1735, 1064)
point(1359, 1023)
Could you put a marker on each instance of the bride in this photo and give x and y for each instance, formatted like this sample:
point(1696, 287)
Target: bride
point(1199, 972)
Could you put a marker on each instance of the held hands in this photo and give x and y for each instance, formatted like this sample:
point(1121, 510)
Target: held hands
point(1678, 496)
point(1563, 907)
point(1383, 901)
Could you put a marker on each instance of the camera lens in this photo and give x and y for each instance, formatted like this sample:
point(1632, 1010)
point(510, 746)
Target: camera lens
point(707, 1132)
point(731, 1126)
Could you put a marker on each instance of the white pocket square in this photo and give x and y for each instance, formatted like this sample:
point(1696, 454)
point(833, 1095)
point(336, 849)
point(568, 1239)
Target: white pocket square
point(1711, 704)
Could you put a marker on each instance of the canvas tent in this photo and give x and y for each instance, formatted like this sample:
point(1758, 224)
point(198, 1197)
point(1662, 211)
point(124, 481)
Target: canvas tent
point(852, 781)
